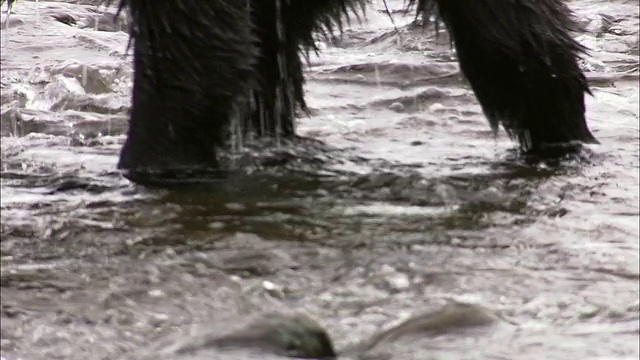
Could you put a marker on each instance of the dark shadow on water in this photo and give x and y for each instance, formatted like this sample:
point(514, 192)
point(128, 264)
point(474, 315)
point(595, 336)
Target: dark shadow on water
point(304, 206)
point(94, 215)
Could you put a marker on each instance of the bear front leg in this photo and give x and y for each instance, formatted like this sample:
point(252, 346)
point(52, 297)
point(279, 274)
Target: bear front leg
point(522, 63)
point(193, 62)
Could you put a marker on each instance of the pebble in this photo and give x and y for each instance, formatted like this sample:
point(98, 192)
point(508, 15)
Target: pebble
point(398, 281)
point(396, 106)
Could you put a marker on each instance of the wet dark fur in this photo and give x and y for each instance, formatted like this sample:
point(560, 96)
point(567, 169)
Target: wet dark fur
point(202, 66)
point(188, 78)
point(198, 63)
point(522, 64)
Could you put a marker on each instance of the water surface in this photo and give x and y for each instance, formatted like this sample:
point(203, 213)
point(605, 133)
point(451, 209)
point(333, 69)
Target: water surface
point(412, 205)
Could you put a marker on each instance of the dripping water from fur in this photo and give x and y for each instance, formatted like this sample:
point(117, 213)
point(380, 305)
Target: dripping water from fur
point(235, 129)
point(281, 70)
point(37, 14)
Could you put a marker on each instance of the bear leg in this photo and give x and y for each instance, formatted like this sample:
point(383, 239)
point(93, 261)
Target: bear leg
point(284, 30)
point(193, 62)
point(522, 63)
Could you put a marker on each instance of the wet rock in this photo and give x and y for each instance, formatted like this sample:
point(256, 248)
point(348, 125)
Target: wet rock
point(556, 212)
point(90, 104)
point(396, 106)
point(295, 336)
point(596, 24)
point(64, 18)
point(615, 45)
point(587, 311)
point(257, 262)
point(397, 281)
point(450, 318)
point(273, 289)
point(10, 120)
point(106, 22)
point(68, 123)
point(57, 93)
point(95, 79)
point(16, 97)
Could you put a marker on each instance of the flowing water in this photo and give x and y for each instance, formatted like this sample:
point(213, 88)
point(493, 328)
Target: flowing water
point(413, 234)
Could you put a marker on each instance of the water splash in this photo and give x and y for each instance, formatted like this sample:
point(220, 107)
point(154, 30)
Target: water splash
point(37, 14)
point(109, 124)
point(84, 76)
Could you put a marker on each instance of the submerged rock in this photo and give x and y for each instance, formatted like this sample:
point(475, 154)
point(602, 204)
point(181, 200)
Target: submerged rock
point(450, 318)
point(296, 336)
point(278, 335)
